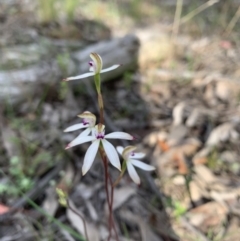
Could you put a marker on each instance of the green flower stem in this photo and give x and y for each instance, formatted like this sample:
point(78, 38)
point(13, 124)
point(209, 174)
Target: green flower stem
point(124, 166)
point(97, 81)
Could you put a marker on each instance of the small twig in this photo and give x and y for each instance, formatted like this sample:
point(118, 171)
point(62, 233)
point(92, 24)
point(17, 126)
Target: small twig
point(81, 217)
point(198, 10)
point(176, 22)
point(232, 23)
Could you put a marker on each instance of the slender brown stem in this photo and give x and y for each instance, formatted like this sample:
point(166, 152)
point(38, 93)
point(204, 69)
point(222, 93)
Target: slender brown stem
point(109, 198)
point(110, 219)
point(103, 156)
point(111, 208)
point(121, 174)
point(105, 163)
point(81, 217)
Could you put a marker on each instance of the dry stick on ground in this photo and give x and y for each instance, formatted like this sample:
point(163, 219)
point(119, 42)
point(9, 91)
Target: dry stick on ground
point(198, 10)
point(232, 23)
point(81, 217)
point(176, 22)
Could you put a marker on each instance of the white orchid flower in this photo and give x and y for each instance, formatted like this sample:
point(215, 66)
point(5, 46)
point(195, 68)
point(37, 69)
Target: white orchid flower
point(95, 68)
point(88, 122)
point(129, 156)
point(98, 137)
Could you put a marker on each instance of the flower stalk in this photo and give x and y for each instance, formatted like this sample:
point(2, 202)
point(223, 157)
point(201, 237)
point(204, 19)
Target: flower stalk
point(124, 166)
point(109, 198)
point(95, 134)
point(97, 81)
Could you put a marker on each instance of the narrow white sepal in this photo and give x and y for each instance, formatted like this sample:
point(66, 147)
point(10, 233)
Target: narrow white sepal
point(142, 165)
point(85, 132)
point(76, 127)
point(90, 156)
point(80, 140)
point(110, 68)
point(119, 135)
point(138, 155)
point(132, 173)
point(120, 149)
point(111, 154)
point(82, 76)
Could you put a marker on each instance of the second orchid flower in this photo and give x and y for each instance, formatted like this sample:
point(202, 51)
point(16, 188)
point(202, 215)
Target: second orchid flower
point(98, 138)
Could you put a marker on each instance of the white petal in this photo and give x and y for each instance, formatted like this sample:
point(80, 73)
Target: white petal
point(138, 155)
point(79, 140)
point(142, 165)
point(76, 127)
point(111, 154)
point(120, 149)
point(91, 69)
point(110, 68)
point(90, 156)
point(82, 76)
point(85, 132)
point(132, 172)
point(119, 135)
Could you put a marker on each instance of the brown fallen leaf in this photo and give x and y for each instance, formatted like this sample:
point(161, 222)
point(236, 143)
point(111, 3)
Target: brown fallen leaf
point(163, 145)
point(200, 161)
point(205, 174)
point(181, 163)
point(201, 157)
point(208, 215)
point(222, 133)
point(176, 156)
